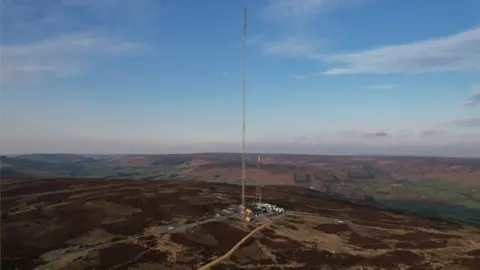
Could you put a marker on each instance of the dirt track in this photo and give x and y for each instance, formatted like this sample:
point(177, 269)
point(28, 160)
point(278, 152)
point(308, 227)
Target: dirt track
point(38, 217)
point(233, 249)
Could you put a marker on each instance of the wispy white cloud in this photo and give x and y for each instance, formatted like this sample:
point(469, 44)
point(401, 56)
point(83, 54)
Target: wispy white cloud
point(119, 10)
point(471, 122)
point(35, 19)
point(455, 127)
point(58, 41)
point(254, 39)
point(383, 86)
point(284, 9)
point(303, 9)
point(299, 77)
point(72, 44)
point(375, 133)
point(457, 51)
point(430, 133)
point(474, 100)
point(102, 4)
point(294, 15)
point(61, 56)
point(293, 47)
point(360, 134)
point(32, 73)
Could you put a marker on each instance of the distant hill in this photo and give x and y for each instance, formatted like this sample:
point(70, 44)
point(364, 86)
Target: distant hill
point(7, 172)
point(57, 158)
point(37, 163)
point(107, 167)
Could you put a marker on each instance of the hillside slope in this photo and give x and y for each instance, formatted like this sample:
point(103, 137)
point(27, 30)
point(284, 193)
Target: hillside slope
point(122, 224)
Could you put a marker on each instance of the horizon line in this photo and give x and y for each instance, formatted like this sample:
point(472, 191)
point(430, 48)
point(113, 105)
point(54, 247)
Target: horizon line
point(236, 153)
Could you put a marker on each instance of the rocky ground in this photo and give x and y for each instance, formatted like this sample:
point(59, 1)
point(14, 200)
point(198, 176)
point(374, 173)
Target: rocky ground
point(118, 225)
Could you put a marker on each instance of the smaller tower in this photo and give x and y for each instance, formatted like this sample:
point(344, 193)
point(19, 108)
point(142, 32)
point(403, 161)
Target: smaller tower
point(258, 193)
point(258, 187)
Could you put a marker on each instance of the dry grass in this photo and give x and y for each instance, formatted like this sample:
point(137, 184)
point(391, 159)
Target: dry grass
point(127, 230)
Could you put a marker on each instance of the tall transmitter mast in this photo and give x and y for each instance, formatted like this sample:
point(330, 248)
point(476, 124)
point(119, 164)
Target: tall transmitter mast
point(244, 93)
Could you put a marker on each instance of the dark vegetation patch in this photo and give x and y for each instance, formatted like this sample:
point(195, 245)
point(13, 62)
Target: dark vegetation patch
point(471, 263)
point(152, 256)
point(290, 226)
point(475, 252)
point(224, 266)
point(268, 232)
point(419, 235)
point(24, 241)
point(366, 242)
point(129, 225)
point(390, 259)
point(405, 245)
point(226, 235)
point(196, 239)
point(296, 221)
point(18, 255)
point(35, 187)
point(318, 258)
point(280, 243)
point(332, 228)
point(115, 255)
point(251, 252)
point(216, 235)
point(328, 212)
point(431, 244)
point(54, 198)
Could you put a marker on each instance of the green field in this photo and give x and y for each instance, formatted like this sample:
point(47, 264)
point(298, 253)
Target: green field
point(450, 212)
point(42, 167)
point(443, 191)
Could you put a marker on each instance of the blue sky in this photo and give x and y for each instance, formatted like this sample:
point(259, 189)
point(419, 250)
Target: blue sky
point(159, 76)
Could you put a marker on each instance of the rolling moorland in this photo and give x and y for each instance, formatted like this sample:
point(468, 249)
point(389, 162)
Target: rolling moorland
point(448, 188)
point(120, 224)
point(112, 212)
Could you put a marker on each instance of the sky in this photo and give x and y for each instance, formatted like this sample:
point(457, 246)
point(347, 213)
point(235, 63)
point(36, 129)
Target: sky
point(388, 77)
